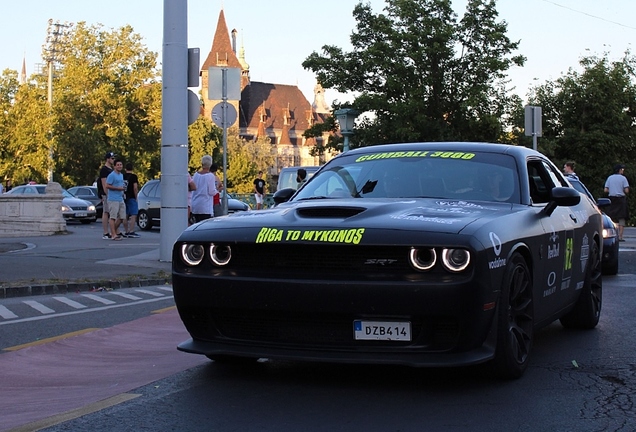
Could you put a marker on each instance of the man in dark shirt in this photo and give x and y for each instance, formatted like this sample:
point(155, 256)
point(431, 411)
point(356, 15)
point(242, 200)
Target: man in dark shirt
point(131, 182)
point(259, 190)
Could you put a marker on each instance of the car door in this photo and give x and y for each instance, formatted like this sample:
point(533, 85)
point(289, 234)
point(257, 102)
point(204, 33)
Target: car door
point(565, 243)
point(154, 203)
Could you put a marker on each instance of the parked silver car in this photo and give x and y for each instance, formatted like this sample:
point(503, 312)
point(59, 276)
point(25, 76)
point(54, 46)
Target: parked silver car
point(73, 209)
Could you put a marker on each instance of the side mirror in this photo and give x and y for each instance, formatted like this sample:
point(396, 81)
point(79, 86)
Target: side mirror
point(283, 195)
point(603, 202)
point(562, 197)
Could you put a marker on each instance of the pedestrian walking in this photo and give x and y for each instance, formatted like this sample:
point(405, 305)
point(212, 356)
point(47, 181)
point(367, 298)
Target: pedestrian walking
point(203, 196)
point(115, 198)
point(259, 190)
point(102, 191)
point(617, 187)
point(131, 182)
point(216, 204)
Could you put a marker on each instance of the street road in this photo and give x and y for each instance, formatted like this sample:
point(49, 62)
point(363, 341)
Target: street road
point(120, 371)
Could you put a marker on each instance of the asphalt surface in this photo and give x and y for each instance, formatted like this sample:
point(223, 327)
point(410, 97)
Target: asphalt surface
point(79, 261)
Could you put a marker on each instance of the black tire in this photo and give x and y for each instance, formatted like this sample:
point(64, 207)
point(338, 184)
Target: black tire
point(515, 326)
point(143, 220)
point(587, 310)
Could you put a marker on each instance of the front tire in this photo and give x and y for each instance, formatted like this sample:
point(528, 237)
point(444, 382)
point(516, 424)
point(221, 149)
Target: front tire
point(143, 220)
point(587, 310)
point(515, 326)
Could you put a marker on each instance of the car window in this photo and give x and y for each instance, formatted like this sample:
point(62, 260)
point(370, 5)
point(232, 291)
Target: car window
point(484, 176)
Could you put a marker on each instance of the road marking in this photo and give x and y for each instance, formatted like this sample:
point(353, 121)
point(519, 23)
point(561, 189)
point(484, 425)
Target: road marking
point(71, 303)
point(51, 339)
point(152, 293)
point(102, 308)
point(164, 288)
point(6, 313)
point(39, 307)
point(124, 295)
point(99, 299)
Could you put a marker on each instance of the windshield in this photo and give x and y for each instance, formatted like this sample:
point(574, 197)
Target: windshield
point(417, 174)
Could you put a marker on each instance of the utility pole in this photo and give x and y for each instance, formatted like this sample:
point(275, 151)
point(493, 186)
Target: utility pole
point(54, 32)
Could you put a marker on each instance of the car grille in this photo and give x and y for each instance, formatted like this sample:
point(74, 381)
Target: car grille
point(324, 331)
point(76, 208)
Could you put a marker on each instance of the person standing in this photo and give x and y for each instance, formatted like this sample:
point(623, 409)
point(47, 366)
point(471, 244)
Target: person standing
point(301, 177)
point(259, 190)
point(216, 204)
point(203, 196)
point(102, 191)
point(568, 170)
point(115, 198)
point(131, 182)
point(191, 187)
point(617, 187)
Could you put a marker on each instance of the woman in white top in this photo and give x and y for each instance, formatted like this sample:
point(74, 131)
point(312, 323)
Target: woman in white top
point(203, 196)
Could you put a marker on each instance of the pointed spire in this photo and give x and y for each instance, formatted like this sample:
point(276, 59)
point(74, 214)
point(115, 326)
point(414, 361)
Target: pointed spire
point(221, 53)
point(23, 74)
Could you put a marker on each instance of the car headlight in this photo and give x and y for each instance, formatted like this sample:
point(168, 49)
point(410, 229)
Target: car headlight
point(91, 208)
point(192, 254)
point(422, 259)
point(455, 260)
point(609, 232)
point(220, 254)
point(65, 208)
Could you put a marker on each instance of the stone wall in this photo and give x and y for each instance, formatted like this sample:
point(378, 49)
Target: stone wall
point(32, 215)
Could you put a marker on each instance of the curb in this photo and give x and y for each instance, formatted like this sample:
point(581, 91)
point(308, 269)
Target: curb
point(76, 287)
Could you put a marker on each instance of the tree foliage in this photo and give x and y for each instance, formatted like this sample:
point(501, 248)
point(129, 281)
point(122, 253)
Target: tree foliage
point(423, 75)
point(589, 117)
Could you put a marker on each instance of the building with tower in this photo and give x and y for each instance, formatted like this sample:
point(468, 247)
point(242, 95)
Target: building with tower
point(279, 112)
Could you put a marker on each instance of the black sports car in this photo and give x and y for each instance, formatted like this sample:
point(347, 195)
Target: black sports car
point(426, 254)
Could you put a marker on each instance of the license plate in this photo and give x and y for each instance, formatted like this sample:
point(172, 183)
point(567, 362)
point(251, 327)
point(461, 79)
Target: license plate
point(382, 330)
point(83, 214)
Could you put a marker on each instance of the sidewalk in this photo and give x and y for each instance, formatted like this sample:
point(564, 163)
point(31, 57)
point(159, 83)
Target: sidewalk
point(79, 261)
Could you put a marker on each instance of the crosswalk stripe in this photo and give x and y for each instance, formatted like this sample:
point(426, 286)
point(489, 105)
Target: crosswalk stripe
point(6, 313)
point(165, 288)
point(152, 293)
point(69, 302)
point(124, 295)
point(39, 307)
point(98, 299)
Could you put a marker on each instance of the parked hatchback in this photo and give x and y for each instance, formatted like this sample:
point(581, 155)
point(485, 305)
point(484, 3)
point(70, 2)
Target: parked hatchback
point(149, 200)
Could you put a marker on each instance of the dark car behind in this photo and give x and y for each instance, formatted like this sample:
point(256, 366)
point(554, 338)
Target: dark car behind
point(149, 200)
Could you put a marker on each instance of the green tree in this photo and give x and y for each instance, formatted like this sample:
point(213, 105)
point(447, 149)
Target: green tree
point(422, 75)
point(245, 160)
point(106, 98)
point(589, 117)
point(204, 138)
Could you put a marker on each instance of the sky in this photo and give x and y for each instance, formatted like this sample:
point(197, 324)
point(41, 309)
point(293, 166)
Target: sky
point(278, 36)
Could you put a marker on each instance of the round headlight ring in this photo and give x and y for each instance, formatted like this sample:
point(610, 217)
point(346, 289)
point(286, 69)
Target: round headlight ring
point(220, 254)
point(422, 259)
point(192, 254)
point(455, 260)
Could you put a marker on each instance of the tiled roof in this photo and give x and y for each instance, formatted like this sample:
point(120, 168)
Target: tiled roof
point(221, 53)
point(276, 99)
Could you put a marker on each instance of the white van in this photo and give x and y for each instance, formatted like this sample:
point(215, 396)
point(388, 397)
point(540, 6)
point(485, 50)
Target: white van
point(287, 176)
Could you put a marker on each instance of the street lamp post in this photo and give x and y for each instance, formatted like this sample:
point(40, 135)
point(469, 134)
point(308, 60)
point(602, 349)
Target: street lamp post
point(346, 118)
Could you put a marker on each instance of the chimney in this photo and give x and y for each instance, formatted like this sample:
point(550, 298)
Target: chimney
point(234, 40)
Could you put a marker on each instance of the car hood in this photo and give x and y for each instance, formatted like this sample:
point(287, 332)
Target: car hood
point(75, 202)
point(439, 215)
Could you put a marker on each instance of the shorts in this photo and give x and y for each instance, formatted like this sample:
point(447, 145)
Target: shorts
point(259, 198)
point(621, 222)
point(105, 205)
point(132, 208)
point(117, 210)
